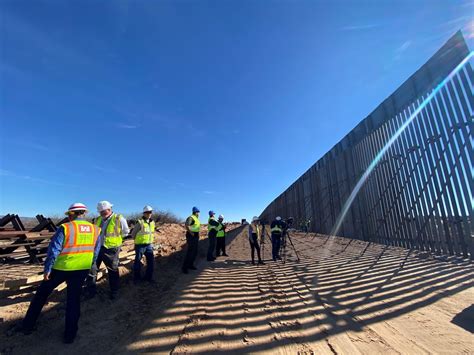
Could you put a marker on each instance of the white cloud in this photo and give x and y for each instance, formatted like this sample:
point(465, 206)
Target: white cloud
point(44, 42)
point(104, 169)
point(404, 47)
point(126, 126)
point(209, 192)
point(29, 144)
point(359, 27)
point(12, 174)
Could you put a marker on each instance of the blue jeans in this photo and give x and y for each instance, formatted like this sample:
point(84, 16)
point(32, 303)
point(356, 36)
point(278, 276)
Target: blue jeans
point(276, 241)
point(140, 250)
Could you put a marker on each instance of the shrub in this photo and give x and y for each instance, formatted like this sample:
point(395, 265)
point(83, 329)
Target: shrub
point(160, 217)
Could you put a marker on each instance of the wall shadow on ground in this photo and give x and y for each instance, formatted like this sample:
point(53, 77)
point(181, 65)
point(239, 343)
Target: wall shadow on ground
point(338, 286)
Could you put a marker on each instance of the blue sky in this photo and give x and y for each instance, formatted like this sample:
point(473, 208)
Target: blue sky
point(218, 104)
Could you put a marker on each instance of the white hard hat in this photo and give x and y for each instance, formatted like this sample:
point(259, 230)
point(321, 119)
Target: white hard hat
point(104, 205)
point(147, 209)
point(254, 219)
point(221, 216)
point(76, 207)
point(278, 218)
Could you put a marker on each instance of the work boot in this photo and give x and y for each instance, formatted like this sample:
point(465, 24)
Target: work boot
point(253, 262)
point(260, 262)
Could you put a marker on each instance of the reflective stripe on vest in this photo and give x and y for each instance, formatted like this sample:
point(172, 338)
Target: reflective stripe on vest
point(146, 233)
point(220, 230)
point(113, 233)
point(196, 227)
point(276, 229)
point(77, 253)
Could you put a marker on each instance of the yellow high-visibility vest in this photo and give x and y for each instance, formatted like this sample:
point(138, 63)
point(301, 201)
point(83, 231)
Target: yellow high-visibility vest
point(146, 233)
point(79, 242)
point(220, 230)
point(196, 227)
point(113, 233)
point(256, 230)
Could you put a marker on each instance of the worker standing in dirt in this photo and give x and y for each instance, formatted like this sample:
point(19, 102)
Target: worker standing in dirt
point(255, 239)
point(212, 226)
point(193, 227)
point(220, 245)
point(276, 228)
point(144, 233)
point(71, 253)
point(113, 228)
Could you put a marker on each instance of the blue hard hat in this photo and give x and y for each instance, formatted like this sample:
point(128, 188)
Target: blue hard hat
point(195, 209)
point(212, 213)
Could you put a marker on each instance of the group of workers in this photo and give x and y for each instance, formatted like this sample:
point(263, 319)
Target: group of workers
point(76, 252)
point(256, 235)
point(216, 235)
point(78, 248)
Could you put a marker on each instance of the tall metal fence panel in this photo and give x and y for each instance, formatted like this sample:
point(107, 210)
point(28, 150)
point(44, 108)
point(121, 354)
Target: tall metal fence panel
point(404, 175)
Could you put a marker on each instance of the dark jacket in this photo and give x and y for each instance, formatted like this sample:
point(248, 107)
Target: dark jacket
point(281, 224)
point(214, 223)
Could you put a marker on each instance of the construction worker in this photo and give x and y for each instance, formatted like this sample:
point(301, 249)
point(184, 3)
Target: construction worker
point(71, 252)
point(276, 229)
point(220, 245)
point(255, 239)
point(143, 233)
point(113, 228)
point(212, 226)
point(193, 227)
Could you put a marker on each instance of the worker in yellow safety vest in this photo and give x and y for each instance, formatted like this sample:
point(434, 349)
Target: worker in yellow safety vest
point(220, 247)
point(276, 229)
point(113, 228)
point(212, 226)
point(193, 227)
point(255, 238)
point(144, 234)
point(71, 253)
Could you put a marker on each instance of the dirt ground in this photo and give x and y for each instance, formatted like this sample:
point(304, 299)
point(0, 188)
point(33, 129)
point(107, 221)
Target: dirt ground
point(342, 297)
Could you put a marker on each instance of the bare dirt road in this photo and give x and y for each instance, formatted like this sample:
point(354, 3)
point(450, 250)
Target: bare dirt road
point(342, 297)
